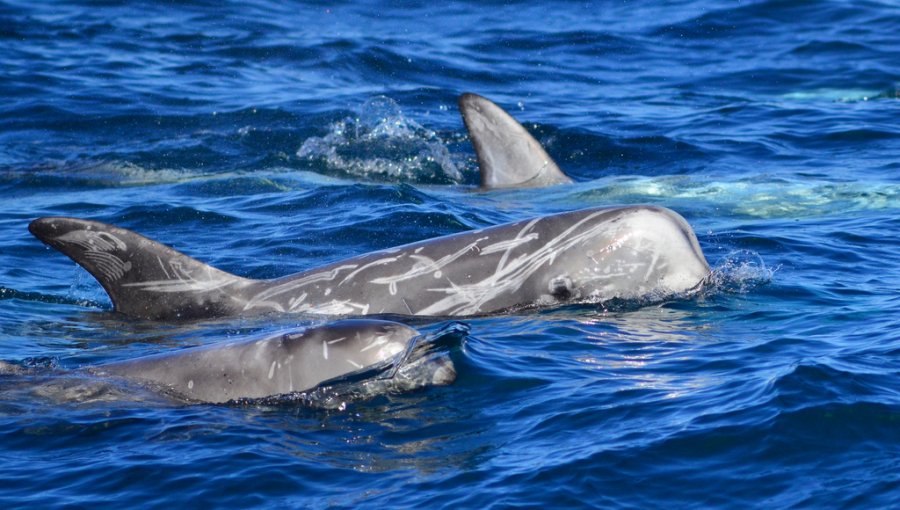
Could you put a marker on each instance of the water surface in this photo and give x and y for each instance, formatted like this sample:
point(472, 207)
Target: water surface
point(268, 138)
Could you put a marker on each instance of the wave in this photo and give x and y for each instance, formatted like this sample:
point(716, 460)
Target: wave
point(756, 197)
point(38, 297)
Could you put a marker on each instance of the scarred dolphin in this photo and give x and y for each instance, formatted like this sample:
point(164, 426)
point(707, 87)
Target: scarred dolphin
point(274, 365)
point(592, 255)
point(381, 353)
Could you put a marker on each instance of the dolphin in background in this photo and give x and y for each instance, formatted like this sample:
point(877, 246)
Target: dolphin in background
point(588, 256)
point(508, 156)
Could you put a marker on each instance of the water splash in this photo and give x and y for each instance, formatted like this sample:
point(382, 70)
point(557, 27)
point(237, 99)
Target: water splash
point(41, 362)
point(380, 143)
point(739, 272)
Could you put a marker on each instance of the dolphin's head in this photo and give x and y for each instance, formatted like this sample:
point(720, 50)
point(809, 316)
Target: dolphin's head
point(626, 253)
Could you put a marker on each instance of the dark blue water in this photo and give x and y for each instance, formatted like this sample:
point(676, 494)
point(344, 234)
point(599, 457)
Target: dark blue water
point(268, 138)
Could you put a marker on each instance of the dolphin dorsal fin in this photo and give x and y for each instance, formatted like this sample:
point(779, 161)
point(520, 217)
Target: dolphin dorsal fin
point(143, 278)
point(508, 156)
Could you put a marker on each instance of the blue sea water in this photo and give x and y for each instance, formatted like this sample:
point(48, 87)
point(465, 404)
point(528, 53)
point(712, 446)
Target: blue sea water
point(270, 137)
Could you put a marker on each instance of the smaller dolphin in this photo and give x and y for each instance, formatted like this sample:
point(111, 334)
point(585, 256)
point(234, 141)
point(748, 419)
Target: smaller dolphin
point(508, 156)
point(276, 365)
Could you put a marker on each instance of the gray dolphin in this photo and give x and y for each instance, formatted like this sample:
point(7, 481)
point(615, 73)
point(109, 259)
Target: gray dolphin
point(508, 156)
point(281, 364)
point(592, 255)
point(293, 362)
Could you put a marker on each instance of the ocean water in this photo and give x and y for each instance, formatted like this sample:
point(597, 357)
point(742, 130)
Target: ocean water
point(270, 137)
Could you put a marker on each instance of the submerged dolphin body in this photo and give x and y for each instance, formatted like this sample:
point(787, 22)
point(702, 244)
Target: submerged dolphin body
point(286, 363)
point(508, 156)
point(256, 368)
point(592, 255)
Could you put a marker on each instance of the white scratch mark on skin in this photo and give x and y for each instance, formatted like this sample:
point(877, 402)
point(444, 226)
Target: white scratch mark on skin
point(189, 284)
point(508, 244)
point(108, 264)
point(335, 307)
point(163, 267)
point(468, 299)
point(272, 370)
point(89, 240)
point(264, 298)
point(99, 248)
point(521, 234)
point(325, 350)
point(408, 309)
point(425, 266)
point(651, 266)
point(295, 302)
point(341, 339)
point(355, 364)
point(379, 262)
point(183, 280)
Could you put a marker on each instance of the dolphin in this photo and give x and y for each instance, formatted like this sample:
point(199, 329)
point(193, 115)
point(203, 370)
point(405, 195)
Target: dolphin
point(274, 365)
point(508, 156)
point(587, 256)
point(283, 364)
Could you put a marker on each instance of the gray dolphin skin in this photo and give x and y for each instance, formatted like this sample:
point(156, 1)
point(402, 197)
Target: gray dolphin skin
point(282, 364)
point(508, 156)
point(591, 255)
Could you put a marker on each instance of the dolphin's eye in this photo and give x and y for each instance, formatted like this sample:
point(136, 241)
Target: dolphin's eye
point(561, 288)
